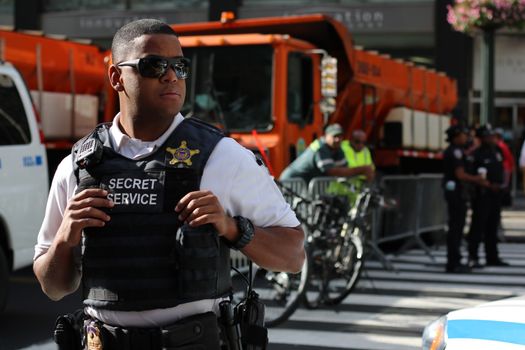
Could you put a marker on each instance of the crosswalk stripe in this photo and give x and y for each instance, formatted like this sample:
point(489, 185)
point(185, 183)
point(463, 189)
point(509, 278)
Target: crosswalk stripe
point(389, 310)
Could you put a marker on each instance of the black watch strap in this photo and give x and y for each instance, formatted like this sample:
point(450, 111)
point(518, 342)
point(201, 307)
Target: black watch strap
point(246, 231)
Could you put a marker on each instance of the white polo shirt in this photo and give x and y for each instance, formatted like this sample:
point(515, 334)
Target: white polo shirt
point(231, 173)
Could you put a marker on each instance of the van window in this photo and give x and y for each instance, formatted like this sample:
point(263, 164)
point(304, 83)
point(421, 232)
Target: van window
point(300, 87)
point(14, 128)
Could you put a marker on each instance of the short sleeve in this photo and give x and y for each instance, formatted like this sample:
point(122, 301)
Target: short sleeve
point(457, 158)
point(244, 187)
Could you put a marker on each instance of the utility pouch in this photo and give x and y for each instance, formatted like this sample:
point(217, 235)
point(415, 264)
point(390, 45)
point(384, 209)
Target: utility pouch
point(250, 316)
point(68, 331)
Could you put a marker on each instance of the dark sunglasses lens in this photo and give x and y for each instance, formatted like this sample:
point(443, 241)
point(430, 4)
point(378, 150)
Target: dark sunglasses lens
point(182, 67)
point(153, 67)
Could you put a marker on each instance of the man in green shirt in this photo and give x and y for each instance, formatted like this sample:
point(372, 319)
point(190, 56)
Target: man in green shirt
point(324, 157)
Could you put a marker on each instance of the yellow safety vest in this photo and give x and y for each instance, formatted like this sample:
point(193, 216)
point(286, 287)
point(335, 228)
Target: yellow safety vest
point(355, 159)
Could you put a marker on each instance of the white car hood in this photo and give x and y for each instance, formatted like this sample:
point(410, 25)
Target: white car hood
point(498, 325)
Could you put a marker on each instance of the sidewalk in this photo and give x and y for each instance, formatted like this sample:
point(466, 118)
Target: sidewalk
point(513, 220)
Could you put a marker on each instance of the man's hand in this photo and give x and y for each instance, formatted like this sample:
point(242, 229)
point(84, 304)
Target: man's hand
point(55, 269)
point(369, 173)
point(83, 211)
point(481, 181)
point(495, 187)
point(203, 207)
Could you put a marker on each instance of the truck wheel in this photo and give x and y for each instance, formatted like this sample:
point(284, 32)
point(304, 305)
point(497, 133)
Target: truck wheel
point(4, 280)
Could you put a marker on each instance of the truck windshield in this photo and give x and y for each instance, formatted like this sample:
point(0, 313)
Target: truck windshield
point(230, 86)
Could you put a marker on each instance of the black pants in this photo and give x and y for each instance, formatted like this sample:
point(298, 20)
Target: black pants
point(486, 215)
point(457, 210)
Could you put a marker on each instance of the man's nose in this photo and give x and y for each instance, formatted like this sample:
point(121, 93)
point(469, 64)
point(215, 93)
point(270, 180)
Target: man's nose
point(170, 75)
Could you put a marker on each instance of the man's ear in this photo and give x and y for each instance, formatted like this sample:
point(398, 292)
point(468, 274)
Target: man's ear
point(115, 78)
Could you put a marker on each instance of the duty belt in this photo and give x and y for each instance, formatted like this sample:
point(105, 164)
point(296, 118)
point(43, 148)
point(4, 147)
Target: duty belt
point(198, 332)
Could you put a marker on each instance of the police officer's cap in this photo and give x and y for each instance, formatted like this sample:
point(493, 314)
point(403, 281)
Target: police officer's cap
point(484, 130)
point(455, 130)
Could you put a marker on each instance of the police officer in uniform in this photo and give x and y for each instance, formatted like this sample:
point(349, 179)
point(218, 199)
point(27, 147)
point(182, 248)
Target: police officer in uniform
point(454, 180)
point(486, 204)
point(324, 157)
point(143, 213)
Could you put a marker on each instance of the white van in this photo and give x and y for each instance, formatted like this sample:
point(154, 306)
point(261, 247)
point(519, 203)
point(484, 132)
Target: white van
point(23, 176)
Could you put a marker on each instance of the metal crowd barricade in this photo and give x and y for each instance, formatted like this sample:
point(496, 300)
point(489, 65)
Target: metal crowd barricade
point(319, 185)
point(399, 223)
point(299, 186)
point(432, 212)
point(421, 209)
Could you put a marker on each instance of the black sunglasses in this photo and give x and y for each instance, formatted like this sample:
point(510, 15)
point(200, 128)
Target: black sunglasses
point(157, 66)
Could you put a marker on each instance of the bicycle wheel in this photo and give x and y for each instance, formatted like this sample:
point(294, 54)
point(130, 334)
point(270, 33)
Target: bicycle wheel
point(281, 293)
point(319, 271)
point(347, 268)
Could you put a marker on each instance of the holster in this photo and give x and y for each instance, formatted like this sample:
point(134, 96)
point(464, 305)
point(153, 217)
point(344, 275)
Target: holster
point(68, 331)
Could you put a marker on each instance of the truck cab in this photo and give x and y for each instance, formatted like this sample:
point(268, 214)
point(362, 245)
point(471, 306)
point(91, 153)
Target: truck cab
point(264, 90)
point(23, 176)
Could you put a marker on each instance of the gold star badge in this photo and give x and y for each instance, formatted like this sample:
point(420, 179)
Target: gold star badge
point(182, 154)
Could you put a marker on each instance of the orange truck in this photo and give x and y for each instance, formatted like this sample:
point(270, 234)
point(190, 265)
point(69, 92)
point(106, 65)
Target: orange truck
point(272, 83)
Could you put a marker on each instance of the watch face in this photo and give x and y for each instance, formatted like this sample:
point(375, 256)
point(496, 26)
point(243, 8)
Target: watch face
point(246, 229)
point(245, 225)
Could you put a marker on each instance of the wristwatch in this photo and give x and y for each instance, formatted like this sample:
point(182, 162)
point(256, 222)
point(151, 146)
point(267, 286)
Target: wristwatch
point(246, 231)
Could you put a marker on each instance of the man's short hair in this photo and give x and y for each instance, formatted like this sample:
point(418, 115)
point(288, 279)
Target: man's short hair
point(358, 132)
point(129, 32)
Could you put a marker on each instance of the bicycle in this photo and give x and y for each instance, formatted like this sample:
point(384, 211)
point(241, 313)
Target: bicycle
point(337, 252)
point(337, 248)
point(335, 245)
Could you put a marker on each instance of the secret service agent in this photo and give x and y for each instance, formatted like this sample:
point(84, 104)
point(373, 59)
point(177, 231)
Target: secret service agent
point(143, 213)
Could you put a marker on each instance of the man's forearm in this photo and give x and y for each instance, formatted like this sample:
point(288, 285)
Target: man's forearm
point(347, 172)
point(56, 272)
point(277, 248)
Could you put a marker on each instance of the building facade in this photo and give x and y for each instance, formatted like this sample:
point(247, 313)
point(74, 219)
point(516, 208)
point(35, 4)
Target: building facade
point(413, 30)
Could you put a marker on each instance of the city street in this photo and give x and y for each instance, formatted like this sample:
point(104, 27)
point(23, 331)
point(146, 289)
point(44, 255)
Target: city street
point(387, 311)
point(382, 122)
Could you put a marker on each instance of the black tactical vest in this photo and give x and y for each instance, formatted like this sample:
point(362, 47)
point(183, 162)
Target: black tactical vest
point(144, 257)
